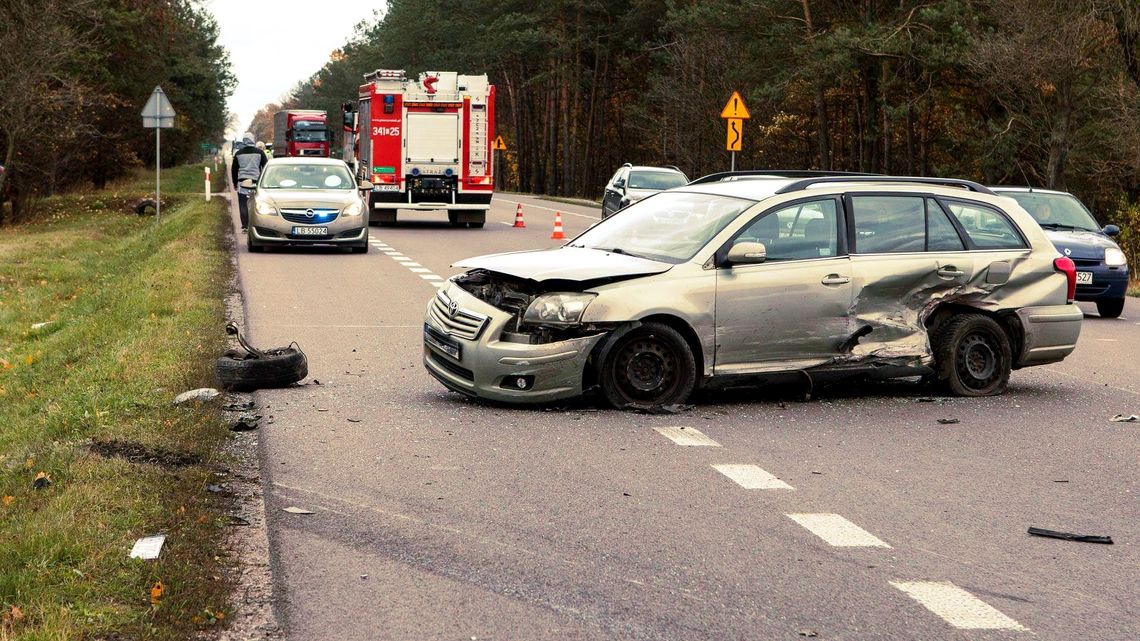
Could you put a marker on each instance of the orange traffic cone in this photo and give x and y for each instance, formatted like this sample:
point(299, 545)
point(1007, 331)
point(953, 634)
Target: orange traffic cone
point(558, 234)
point(518, 217)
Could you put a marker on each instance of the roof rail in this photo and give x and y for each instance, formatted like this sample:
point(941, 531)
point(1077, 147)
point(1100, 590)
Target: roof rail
point(970, 185)
point(775, 173)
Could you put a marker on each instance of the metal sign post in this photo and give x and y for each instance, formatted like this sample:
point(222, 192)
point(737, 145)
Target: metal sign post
point(734, 114)
point(158, 114)
point(497, 145)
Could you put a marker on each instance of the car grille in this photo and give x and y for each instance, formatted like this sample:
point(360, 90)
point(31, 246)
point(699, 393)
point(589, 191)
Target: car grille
point(462, 323)
point(1086, 262)
point(455, 369)
point(320, 216)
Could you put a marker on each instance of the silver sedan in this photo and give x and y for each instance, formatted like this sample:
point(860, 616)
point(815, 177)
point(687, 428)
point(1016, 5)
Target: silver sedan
point(306, 201)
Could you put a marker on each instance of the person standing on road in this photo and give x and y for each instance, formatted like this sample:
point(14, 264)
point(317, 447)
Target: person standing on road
point(248, 162)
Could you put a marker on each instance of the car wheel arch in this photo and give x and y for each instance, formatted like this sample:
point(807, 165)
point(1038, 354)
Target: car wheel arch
point(602, 348)
point(1007, 320)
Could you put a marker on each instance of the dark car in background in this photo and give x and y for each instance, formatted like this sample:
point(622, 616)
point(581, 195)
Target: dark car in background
point(632, 183)
point(1102, 269)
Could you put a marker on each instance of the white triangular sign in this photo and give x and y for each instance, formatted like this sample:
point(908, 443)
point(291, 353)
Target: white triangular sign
point(158, 111)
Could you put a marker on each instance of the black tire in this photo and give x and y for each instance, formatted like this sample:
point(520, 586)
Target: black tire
point(385, 217)
point(476, 225)
point(649, 365)
point(281, 367)
point(453, 218)
point(361, 249)
point(1110, 307)
point(972, 356)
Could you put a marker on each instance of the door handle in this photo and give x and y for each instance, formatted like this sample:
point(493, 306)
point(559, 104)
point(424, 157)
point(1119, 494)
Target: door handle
point(950, 271)
point(835, 279)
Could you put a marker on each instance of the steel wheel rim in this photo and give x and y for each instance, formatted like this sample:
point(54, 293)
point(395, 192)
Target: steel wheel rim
point(978, 361)
point(646, 370)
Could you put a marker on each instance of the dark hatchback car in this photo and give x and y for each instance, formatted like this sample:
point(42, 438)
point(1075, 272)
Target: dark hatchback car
point(1102, 269)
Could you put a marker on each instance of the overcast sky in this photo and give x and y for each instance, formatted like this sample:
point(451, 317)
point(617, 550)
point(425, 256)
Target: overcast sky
point(273, 44)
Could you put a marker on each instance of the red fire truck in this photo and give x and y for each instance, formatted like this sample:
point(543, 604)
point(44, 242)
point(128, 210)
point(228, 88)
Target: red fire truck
point(424, 144)
point(300, 132)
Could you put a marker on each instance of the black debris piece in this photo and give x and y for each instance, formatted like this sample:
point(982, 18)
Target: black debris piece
point(1069, 536)
point(1125, 418)
point(42, 481)
point(248, 406)
point(353, 420)
point(925, 399)
point(245, 424)
point(676, 408)
point(948, 421)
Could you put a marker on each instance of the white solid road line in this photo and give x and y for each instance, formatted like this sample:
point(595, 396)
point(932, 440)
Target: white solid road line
point(956, 606)
point(751, 477)
point(564, 212)
point(687, 436)
point(838, 531)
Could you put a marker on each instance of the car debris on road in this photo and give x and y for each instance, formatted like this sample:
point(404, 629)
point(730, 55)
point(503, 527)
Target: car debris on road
point(1068, 536)
point(201, 394)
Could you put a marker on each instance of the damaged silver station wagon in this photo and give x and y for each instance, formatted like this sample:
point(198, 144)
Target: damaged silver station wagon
point(758, 276)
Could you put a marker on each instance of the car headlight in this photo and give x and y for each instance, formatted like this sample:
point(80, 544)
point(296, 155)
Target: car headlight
point(355, 208)
point(557, 309)
point(1113, 257)
point(265, 208)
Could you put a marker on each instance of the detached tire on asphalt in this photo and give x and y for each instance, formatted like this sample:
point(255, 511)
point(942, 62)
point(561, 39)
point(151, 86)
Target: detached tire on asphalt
point(1110, 307)
point(280, 367)
point(972, 356)
point(648, 365)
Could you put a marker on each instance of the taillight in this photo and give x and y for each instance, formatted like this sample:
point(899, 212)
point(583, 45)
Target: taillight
point(1066, 266)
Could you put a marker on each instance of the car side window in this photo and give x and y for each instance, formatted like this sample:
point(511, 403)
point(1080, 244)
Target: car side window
point(940, 232)
point(986, 228)
point(800, 231)
point(889, 224)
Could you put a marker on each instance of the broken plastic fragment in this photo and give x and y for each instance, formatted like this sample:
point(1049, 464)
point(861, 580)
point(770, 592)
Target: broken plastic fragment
point(1125, 418)
point(42, 480)
point(148, 547)
point(1068, 536)
point(39, 326)
point(156, 592)
point(298, 510)
point(948, 421)
point(200, 394)
point(245, 424)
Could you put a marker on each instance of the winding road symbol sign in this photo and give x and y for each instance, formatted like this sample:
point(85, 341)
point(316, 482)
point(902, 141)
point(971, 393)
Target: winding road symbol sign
point(734, 113)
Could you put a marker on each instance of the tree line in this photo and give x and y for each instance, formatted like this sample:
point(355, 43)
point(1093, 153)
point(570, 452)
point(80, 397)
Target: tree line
point(74, 76)
point(1039, 92)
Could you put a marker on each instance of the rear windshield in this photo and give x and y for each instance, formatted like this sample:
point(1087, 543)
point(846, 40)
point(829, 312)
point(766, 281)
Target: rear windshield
point(1055, 211)
point(306, 177)
point(656, 179)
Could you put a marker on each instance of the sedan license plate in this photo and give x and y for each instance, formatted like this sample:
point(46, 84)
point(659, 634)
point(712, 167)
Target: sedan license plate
point(386, 187)
point(310, 231)
point(443, 344)
point(1084, 278)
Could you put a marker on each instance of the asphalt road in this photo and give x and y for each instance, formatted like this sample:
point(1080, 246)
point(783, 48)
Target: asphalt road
point(440, 518)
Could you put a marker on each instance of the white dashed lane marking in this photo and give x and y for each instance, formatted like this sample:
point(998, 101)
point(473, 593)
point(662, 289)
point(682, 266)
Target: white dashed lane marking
point(687, 436)
point(751, 477)
point(837, 531)
point(413, 266)
point(956, 606)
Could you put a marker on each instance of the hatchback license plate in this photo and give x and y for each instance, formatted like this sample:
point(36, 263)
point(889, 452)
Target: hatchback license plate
point(310, 231)
point(1084, 278)
point(445, 345)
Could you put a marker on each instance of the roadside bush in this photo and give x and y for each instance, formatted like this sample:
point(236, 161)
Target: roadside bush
point(1127, 217)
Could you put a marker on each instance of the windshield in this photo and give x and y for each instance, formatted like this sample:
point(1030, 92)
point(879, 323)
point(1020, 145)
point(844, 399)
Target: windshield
point(669, 227)
point(1055, 211)
point(655, 180)
point(306, 177)
point(309, 131)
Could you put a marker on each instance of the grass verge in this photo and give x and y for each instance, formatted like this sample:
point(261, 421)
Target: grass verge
point(133, 313)
point(1134, 288)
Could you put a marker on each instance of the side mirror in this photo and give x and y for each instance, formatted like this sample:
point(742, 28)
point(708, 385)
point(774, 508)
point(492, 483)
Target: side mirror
point(746, 253)
point(247, 183)
point(364, 185)
point(619, 183)
point(1111, 230)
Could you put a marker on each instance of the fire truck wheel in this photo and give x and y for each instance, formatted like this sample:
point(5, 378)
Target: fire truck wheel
point(475, 225)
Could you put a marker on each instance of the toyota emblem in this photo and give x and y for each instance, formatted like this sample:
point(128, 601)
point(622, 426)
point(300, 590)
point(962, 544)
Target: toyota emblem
point(1068, 252)
point(452, 309)
point(309, 213)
